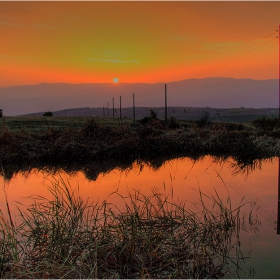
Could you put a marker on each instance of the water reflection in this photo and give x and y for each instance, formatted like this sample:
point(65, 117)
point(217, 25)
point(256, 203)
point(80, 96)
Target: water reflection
point(185, 177)
point(92, 169)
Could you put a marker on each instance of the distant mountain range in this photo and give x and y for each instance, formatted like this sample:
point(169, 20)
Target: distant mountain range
point(211, 92)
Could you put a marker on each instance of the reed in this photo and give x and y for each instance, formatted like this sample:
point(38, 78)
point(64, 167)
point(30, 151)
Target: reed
point(148, 236)
point(97, 142)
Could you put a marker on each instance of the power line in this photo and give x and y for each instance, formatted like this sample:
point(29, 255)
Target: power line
point(230, 62)
point(158, 86)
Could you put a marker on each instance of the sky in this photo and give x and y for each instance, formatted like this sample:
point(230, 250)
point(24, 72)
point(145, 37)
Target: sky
point(136, 42)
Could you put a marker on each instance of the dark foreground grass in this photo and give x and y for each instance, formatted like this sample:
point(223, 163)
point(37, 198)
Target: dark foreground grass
point(146, 237)
point(97, 142)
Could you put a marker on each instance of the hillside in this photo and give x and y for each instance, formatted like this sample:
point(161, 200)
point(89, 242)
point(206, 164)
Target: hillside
point(238, 115)
point(207, 92)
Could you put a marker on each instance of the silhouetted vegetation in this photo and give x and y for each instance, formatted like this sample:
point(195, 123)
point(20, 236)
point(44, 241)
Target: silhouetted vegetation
point(204, 120)
point(153, 237)
point(173, 123)
point(48, 114)
point(96, 142)
point(266, 123)
point(153, 117)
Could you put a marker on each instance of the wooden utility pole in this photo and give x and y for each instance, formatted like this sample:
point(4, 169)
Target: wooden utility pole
point(133, 109)
point(279, 68)
point(120, 107)
point(165, 91)
point(113, 108)
point(278, 215)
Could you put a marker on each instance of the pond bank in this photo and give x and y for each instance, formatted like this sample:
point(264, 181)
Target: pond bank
point(95, 141)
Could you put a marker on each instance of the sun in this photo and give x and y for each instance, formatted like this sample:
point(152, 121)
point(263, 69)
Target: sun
point(116, 80)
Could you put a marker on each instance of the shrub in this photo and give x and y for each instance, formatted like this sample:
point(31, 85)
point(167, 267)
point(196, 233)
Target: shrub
point(152, 117)
point(204, 120)
point(48, 114)
point(173, 123)
point(266, 123)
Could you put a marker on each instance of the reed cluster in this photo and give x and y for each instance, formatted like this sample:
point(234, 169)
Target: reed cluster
point(146, 237)
point(99, 142)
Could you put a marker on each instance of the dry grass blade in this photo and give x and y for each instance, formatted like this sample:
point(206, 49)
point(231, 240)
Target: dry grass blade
point(152, 237)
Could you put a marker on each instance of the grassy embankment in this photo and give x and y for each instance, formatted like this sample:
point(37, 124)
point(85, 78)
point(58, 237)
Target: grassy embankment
point(152, 237)
point(58, 140)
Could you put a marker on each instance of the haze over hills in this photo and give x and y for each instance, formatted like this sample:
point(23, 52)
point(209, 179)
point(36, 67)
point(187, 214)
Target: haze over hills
point(212, 92)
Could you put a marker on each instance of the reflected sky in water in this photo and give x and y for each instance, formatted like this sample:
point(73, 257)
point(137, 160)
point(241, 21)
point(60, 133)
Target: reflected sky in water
point(182, 179)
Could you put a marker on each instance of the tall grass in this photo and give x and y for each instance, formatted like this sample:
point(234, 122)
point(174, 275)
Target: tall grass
point(120, 145)
point(95, 141)
point(147, 237)
point(266, 123)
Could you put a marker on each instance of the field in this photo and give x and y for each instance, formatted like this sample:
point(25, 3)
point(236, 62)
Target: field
point(238, 115)
point(36, 124)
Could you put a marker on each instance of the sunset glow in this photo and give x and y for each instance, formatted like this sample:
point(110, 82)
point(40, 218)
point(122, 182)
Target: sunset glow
point(149, 42)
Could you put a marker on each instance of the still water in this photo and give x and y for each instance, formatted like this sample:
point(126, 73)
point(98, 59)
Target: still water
point(182, 179)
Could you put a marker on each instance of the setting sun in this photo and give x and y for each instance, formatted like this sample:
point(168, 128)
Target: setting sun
point(144, 42)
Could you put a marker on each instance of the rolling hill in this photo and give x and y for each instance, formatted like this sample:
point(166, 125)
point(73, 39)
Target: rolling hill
point(211, 92)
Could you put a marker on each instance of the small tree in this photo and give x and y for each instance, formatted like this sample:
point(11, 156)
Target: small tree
point(204, 120)
point(48, 114)
point(153, 115)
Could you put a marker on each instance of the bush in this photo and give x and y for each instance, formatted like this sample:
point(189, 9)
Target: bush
point(151, 118)
point(266, 123)
point(173, 123)
point(48, 114)
point(204, 120)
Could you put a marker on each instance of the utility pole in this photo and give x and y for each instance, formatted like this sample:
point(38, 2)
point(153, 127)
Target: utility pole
point(103, 112)
point(107, 109)
point(278, 214)
point(165, 91)
point(113, 108)
point(120, 107)
point(278, 70)
point(133, 109)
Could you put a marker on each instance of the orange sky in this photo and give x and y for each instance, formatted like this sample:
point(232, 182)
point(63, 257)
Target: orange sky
point(92, 42)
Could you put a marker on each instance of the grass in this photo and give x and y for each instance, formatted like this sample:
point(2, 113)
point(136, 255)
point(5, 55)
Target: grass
point(266, 123)
point(146, 237)
point(121, 145)
point(39, 124)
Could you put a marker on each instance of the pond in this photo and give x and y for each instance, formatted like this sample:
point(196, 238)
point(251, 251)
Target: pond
point(183, 179)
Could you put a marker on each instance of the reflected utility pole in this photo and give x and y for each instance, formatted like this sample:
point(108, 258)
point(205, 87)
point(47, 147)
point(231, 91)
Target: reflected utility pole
point(165, 94)
point(133, 109)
